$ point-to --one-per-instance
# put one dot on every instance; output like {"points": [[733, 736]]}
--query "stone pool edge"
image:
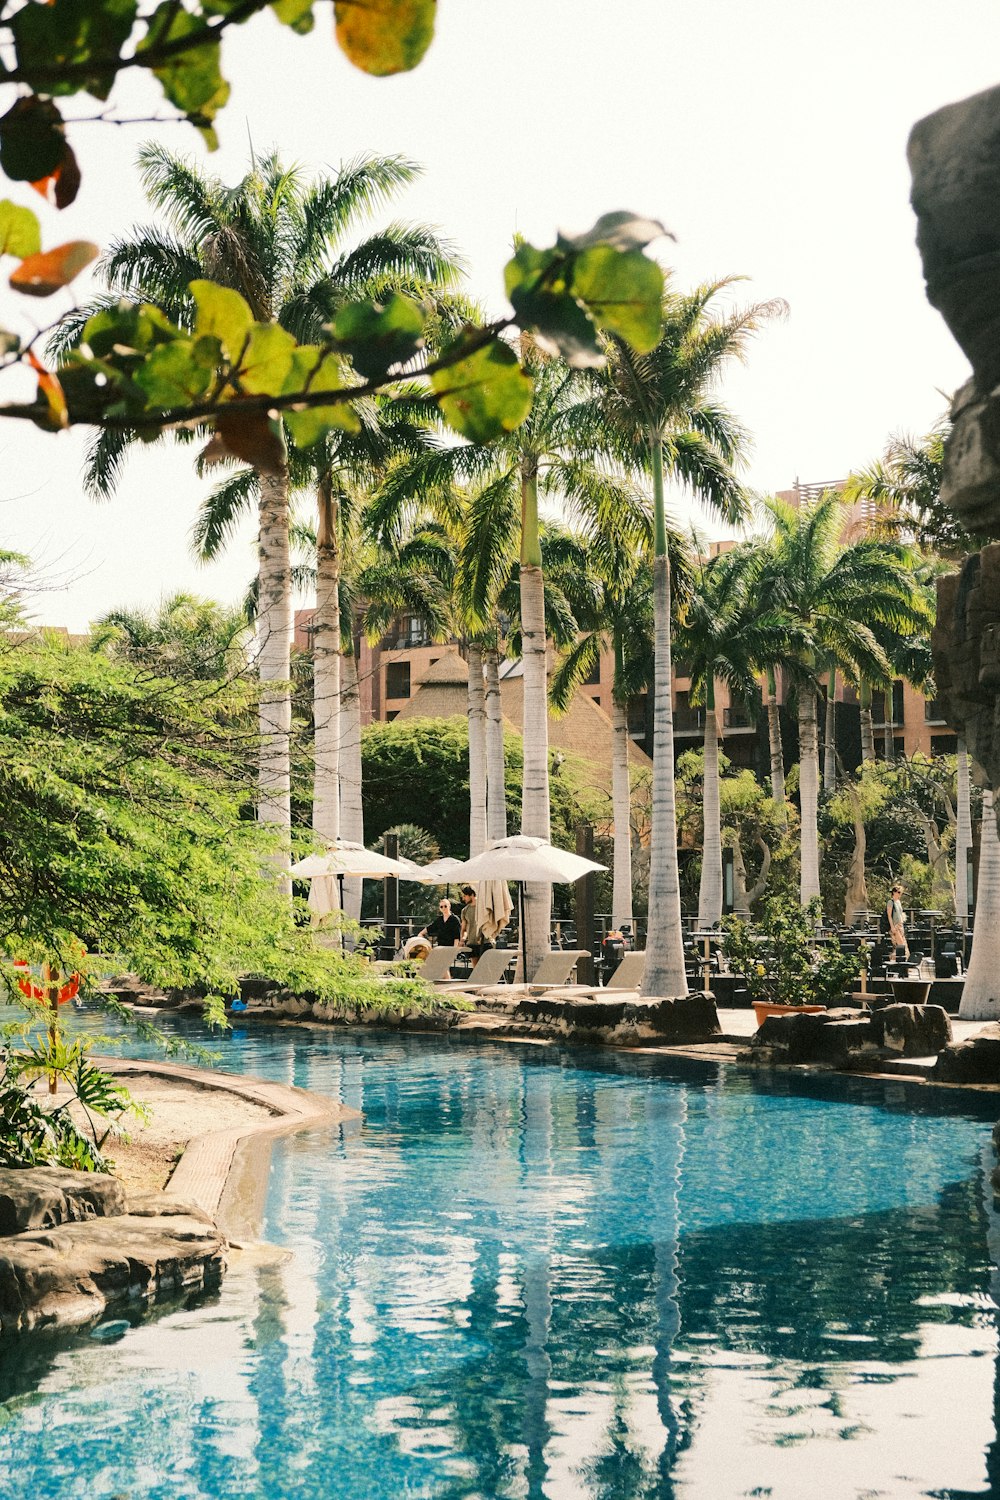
{"points": [[224, 1172]]}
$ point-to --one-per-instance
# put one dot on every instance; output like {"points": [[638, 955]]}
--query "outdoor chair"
{"points": [[489, 971], [552, 974], [437, 964], [627, 976]]}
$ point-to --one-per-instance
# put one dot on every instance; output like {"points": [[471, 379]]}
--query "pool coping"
{"points": [[225, 1171]]}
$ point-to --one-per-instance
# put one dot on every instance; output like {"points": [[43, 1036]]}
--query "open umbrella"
{"points": [[439, 872], [525, 860], [343, 858]]}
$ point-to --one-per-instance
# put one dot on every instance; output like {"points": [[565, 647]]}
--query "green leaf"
{"points": [[70, 33], [32, 142], [222, 314], [311, 369], [623, 292], [385, 36], [619, 231], [128, 328], [379, 334], [536, 282], [265, 366], [19, 231], [294, 13], [485, 394], [190, 79], [175, 374]]}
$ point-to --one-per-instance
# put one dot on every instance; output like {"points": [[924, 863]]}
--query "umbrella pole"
{"points": [[524, 940], [340, 882]]}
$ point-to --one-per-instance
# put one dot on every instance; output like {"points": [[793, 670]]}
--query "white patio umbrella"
{"points": [[439, 871], [343, 858], [525, 860]]}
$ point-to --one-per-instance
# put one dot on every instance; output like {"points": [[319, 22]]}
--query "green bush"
{"points": [[781, 960]]}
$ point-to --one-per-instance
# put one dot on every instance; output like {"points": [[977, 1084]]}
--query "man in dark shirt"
{"points": [[445, 929]]}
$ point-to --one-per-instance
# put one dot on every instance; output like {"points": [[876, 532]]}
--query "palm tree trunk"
{"points": [[352, 817], [830, 735], [664, 974], [477, 751], [963, 835], [777, 760], [887, 746], [535, 785], [496, 770], [274, 635], [326, 669], [981, 995], [808, 795], [856, 898], [710, 888], [621, 814], [867, 727]]}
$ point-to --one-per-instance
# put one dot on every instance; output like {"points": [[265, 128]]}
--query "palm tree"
{"points": [[727, 634], [505, 480], [185, 637], [840, 599], [902, 492], [981, 991], [659, 408], [282, 244]]}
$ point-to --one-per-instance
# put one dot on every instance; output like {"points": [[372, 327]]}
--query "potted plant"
{"points": [[784, 968]]}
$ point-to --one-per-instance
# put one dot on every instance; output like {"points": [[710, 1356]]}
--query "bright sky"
{"points": [[768, 134]]}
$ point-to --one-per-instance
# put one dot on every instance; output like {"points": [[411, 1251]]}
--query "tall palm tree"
{"points": [[840, 598], [981, 991], [553, 453], [727, 633], [666, 423], [185, 637], [285, 245]]}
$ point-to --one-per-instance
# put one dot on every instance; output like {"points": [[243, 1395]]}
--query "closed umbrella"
{"points": [[526, 859]]}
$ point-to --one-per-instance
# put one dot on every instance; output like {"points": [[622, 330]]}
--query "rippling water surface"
{"points": [[577, 1276]]}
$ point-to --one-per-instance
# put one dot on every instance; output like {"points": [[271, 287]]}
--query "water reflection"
{"points": [[575, 1277]]}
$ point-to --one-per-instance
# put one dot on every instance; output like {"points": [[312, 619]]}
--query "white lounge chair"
{"points": [[489, 971], [437, 964], [627, 976], [552, 974]]}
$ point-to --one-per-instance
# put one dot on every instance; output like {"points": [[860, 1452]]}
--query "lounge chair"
{"points": [[489, 971], [552, 974], [627, 976], [437, 964]]}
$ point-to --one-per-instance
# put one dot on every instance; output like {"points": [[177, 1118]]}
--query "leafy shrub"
{"points": [[781, 960]]}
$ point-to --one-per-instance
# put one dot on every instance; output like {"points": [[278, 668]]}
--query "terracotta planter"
{"points": [[764, 1008]]}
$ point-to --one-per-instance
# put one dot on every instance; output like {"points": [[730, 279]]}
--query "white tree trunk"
{"points": [[856, 898], [830, 737], [477, 752], [867, 727], [326, 671], [981, 994], [496, 790], [710, 888], [535, 789], [621, 813], [777, 760], [808, 795], [664, 974], [352, 818], [274, 649], [963, 835]]}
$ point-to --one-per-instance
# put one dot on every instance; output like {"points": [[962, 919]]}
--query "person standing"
{"points": [[472, 933], [446, 929], [897, 923]]}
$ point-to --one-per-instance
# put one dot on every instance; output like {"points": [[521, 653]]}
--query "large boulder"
{"points": [[976, 1060], [912, 1030], [664, 1023], [835, 1038], [43, 1197], [69, 1275]]}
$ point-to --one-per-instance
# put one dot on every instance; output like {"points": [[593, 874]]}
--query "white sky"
{"points": [[768, 134]]}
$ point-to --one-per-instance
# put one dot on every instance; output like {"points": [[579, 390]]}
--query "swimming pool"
{"points": [[562, 1274]]}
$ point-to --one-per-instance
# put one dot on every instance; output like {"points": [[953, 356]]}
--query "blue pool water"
{"points": [[577, 1276]]}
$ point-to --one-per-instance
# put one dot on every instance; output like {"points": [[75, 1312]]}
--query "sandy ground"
{"points": [[178, 1113]]}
